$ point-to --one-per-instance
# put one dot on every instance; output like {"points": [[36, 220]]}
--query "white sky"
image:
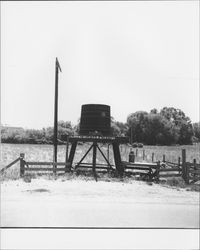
{"points": [[129, 55]]}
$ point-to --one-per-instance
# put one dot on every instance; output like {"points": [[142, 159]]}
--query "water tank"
{"points": [[95, 118]]}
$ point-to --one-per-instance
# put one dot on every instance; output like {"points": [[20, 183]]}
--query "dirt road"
{"points": [[47, 203]]}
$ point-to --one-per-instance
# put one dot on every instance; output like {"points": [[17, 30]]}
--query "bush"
{"points": [[36, 136]]}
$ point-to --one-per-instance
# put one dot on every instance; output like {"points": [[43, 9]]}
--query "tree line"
{"points": [[165, 127], [37, 136]]}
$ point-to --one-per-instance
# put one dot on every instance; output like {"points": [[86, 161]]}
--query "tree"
{"points": [[181, 124], [169, 126], [153, 129], [136, 123], [64, 129], [196, 129], [118, 128], [64, 124], [154, 111]]}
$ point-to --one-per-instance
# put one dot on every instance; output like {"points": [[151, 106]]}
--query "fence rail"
{"points": [[9, 165], [170, 169], [189, 171], [170, 175], [44, 163], [44, 169], [172, 163]]}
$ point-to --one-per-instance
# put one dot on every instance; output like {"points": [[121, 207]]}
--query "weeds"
{"points": [[179, 183]]}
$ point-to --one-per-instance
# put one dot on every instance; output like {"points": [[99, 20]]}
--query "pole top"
{"points": [[58, 65]]}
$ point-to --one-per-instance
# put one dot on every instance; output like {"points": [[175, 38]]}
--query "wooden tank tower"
{"points": [[95, 127]]}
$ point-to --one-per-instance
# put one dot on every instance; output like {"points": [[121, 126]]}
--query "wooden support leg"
{"points": [[108, 153], [72, 153], [117, 158], [94, 160]]}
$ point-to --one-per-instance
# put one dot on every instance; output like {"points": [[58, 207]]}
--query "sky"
{"points": [[131, 55]]}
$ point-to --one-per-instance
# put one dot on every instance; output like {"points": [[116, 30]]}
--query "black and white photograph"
{"points": [[100, 123]]}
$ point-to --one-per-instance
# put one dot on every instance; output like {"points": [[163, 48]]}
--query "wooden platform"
{"points": [[103, 139]]}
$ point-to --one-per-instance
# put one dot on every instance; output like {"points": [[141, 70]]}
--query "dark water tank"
{"points": [[95, 118]]}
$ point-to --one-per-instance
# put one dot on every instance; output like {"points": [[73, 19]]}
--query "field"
{"points": [[9, 152]]}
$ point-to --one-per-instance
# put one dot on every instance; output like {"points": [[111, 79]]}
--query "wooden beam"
{"points": [[47, 163], [137, 168], [169, 175], [44, 169], [170, 169], [91, 166], [103, 139], [9, 165], [72, 152], [94, 160]]}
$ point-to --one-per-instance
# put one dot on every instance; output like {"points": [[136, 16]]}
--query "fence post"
{"points": [[152, 157], [187, 168], [179, 161], [131, 157], [136, 152], [184, 164], [163, 158], [143, 154], [195, 168], [22, 155], [157, 171]]}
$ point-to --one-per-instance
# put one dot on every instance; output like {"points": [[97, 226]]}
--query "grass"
{"points": [[10, 152], [178, 182]]}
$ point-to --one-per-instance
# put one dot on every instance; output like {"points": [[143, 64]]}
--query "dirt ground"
{"points": [[81, 203]]}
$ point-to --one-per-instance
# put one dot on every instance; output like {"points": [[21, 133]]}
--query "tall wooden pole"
{"points": [[55, 141]]}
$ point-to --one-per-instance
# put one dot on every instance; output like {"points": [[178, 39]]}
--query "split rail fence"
{"points": [[189, 171]]}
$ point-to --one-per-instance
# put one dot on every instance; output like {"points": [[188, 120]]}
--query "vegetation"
{"points": [[196, 129], [170, 126], [33, 136], [167, 127]]}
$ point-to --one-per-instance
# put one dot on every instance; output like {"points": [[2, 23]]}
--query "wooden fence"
{"points": [[25, 166], [189, 171], [142, 155]]}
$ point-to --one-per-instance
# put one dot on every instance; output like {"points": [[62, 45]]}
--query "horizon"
{"points": [[131, 56], [73, 124]]}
